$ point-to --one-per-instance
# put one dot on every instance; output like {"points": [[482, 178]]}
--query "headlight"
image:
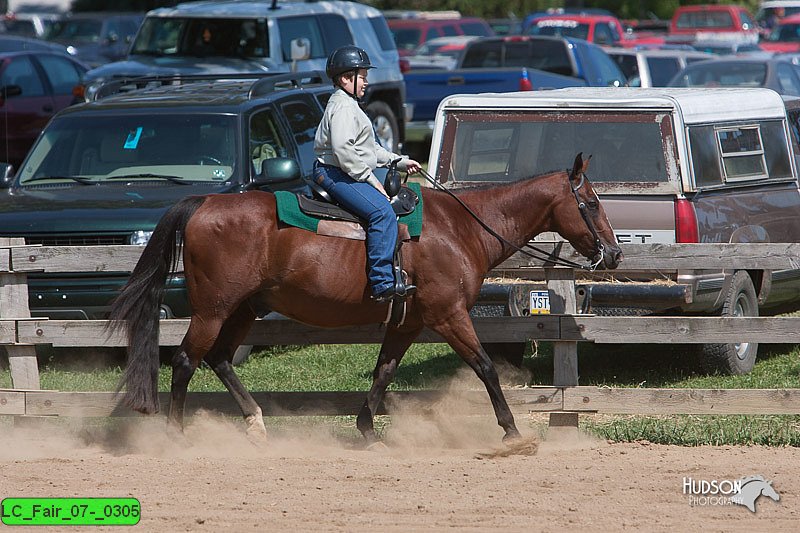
{"points": [[139, 238]]}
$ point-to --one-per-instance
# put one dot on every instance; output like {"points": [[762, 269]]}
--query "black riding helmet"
{"points": [[348, 58]]}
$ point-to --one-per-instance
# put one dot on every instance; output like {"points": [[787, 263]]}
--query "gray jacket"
{"points": [[345, 139]]}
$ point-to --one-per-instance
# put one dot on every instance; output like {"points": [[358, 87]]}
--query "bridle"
{"points": [[543, 255], [586, 218]]}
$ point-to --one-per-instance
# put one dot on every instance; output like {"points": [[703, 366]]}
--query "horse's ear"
{"points": [[580, 166]]}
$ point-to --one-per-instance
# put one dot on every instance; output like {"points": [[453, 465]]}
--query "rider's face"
{"points": [[355, 84]]}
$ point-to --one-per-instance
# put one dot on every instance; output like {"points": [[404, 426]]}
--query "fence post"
{"points": [[14, 305], [561, 286]]}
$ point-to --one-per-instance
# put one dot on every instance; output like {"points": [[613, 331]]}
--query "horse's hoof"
{"points": [[377, 447], [256, 430], [512, 437]]}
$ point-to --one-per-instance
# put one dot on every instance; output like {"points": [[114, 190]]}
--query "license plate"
{"points": [[540, 303]]}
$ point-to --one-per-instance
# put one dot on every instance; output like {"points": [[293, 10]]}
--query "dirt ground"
{"points": [[313, 477]]}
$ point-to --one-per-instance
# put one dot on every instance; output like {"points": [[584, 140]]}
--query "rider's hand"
{"points": [[412, 167]]}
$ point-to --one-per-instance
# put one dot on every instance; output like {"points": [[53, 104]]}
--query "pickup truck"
{"points": [[497, 65], [672, 165]]}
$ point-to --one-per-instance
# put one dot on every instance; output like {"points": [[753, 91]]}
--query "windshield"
{"points": [[195, 37], [155, 146], [710, 74], [560, 28], [76, 30], [494, 147]]}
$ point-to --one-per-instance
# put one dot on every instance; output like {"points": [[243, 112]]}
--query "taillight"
{"points": [[405, 66], [685, 222]]}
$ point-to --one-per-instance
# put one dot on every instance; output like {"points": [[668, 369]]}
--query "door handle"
{"points": [[455, 80]]}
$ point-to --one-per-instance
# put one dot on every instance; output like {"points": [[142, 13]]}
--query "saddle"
{"points": [[403, 201]]}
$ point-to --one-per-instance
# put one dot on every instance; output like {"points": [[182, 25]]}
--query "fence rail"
{"points": [[19, 333]]}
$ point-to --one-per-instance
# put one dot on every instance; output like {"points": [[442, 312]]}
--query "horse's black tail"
{"points": [[137, 306]]}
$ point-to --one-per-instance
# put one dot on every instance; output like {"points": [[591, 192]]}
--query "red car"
{"points": [[728, 20], [784, 37], [598, 29], [34, 86], [409, 33]]}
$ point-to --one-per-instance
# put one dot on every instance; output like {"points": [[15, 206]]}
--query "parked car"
{"points": [[784, 37], [439, 53], [727, 47], [653, 68], [249, 37], [95, 38], [671, 165], [770, 12], [778, 74], [505, 26], [33, 25], [409, 33], [599, 29], [34, 86], [500, 64], [105, 172], [727, 21], [17, 43]]}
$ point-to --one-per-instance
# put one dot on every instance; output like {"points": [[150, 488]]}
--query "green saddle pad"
{"points": [[289, 212]]}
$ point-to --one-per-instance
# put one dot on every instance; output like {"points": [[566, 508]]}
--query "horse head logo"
{"points": [[752, 488]]}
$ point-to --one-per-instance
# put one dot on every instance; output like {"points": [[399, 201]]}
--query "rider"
{"points": [[347, 154]]}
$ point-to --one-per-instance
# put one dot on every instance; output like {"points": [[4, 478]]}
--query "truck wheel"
{"points": [[385, 124], [735, 358]]}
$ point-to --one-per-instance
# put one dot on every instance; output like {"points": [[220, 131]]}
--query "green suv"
{"points": [[104, 172]]}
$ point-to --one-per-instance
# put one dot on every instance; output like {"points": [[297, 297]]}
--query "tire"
{"points": [[735, 358], [385, 124]]}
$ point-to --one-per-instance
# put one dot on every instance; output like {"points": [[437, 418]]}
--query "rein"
{"points": [[544, 255]]}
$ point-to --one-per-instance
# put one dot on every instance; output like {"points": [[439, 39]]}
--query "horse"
{"points": [[240, 262]]}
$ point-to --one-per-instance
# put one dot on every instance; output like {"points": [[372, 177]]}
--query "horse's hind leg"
{"points": [[394, 347], [459, 333], [233, 332], [182, 372]]}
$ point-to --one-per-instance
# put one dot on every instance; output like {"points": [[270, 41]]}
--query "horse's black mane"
{"points": [[462, 187]]}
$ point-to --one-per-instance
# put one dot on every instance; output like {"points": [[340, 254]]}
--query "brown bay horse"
{"points": [[240, 263]]}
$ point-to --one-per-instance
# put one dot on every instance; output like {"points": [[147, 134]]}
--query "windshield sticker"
{"points": [[133, 139]]}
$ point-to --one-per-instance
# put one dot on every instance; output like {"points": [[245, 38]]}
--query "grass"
{"points": [[349, 367]]}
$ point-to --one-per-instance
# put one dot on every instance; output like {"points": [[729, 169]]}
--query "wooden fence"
{"points": [[19, 333]]}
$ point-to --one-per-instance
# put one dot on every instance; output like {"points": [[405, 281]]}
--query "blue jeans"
{"points": [[368, 204]]}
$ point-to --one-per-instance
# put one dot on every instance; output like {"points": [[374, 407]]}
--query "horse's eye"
{"points": [[593, 205]]}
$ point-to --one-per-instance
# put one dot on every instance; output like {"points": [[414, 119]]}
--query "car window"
{"points": [[747, 22], [335, 32], [297, 27], [303, 119], [509, 147], [265, 138], [76, 30], [61, 73], [408, 38], [629, 66], [193, 147], [607, 71], [560, 28], [602, 34], [662, 69], [723, 74], [787, 77], [202, 37], [381, 29], [20, 71], [448, 30], [704, 20], [474, 28]]}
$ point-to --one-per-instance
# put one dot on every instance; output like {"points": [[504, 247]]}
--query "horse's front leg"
{"points": [[459, 333], [394, 347]]}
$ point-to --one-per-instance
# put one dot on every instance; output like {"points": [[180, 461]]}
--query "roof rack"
{"points": [[264, 82]]}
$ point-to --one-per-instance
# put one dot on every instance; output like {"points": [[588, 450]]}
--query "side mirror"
{"points": [[300, 49], [6, 175], [277, 170]]}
